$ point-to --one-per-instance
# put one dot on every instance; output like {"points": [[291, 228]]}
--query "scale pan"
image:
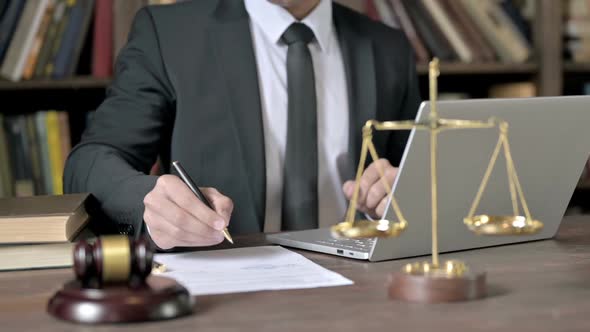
{"points": [[369, 229], [502, 225]]}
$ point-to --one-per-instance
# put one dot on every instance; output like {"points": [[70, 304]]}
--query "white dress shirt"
{"points": [[268, 22]]}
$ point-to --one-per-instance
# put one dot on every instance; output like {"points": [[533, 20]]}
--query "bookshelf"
{"points": [[448, 68], [547, 68], [458, 68], [73, 83], [576, 68]]}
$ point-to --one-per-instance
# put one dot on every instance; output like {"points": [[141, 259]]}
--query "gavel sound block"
{"points": [[113, 285]]}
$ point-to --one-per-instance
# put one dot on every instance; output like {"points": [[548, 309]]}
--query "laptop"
{"points": [[550, 143]]}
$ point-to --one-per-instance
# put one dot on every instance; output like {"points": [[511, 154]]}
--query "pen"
{"points": [[193, 187]]}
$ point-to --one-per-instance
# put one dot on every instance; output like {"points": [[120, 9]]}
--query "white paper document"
{"points": [[246, 270]]}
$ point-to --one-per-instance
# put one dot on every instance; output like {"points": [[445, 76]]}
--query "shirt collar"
{"points": [[273, 20]]}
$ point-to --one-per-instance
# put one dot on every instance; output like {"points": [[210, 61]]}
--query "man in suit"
{"points": [[262, 101]]}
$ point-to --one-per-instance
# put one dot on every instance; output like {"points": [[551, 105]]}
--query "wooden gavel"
{"points": [[113, 259], [113, 285]]}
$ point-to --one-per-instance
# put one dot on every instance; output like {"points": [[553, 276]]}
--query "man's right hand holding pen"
{"points": [[175, 217]]}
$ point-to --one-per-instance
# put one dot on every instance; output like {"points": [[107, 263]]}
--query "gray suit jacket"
{"points": [[186, 88]]}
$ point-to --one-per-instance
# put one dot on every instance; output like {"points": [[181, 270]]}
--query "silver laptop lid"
{"points": [[549, 140]]}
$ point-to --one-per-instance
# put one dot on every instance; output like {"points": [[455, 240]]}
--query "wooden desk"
{"points": [[538, 286]]}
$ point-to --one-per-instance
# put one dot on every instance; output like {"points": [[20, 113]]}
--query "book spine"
{"points": [[73, 57], [408, 27], [34, 154], [22, 41], [3, 6], [5, 168], [46, 175], [499, 30], [19, 156], [446, 26], [432, 36], [8, 25], [57, 43], [55, 154], [102, 57], [68, 40], [49, 39], [476, 38], [33, 56], [517, 18], [64, 136]]}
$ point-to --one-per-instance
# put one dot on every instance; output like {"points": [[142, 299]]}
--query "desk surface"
{"points": [[538, 286]]}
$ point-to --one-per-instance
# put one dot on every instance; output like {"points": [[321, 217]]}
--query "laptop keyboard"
{"points": [[362, 245]]}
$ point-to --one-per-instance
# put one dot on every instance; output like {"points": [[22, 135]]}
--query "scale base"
{"points": [[452, 281], [159, 299]]}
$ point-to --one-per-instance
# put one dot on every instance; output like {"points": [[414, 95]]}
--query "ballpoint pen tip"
{"points": [[228, 236]]}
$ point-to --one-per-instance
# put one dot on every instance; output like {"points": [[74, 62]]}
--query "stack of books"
{"points": [[37, 232]]}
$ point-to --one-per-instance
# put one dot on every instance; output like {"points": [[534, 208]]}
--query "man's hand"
{"points": [[372, 195], [176, 217]]}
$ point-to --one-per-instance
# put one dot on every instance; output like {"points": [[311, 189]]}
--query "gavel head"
{"points": [[114, 259]]}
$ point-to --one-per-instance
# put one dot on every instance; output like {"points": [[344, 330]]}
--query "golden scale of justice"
{"points": [[450, 280]]}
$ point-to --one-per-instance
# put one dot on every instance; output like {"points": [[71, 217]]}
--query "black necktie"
{"points": [[300, 194]]}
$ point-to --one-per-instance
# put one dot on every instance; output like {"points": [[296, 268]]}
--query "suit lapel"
{"points": [[357, 54], [230, 35]]}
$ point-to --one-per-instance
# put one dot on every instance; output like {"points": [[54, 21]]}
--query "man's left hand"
{"points": [[372, 194]]}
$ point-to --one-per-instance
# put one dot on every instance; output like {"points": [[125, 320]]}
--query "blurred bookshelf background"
{"points": [[56, 59]]}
